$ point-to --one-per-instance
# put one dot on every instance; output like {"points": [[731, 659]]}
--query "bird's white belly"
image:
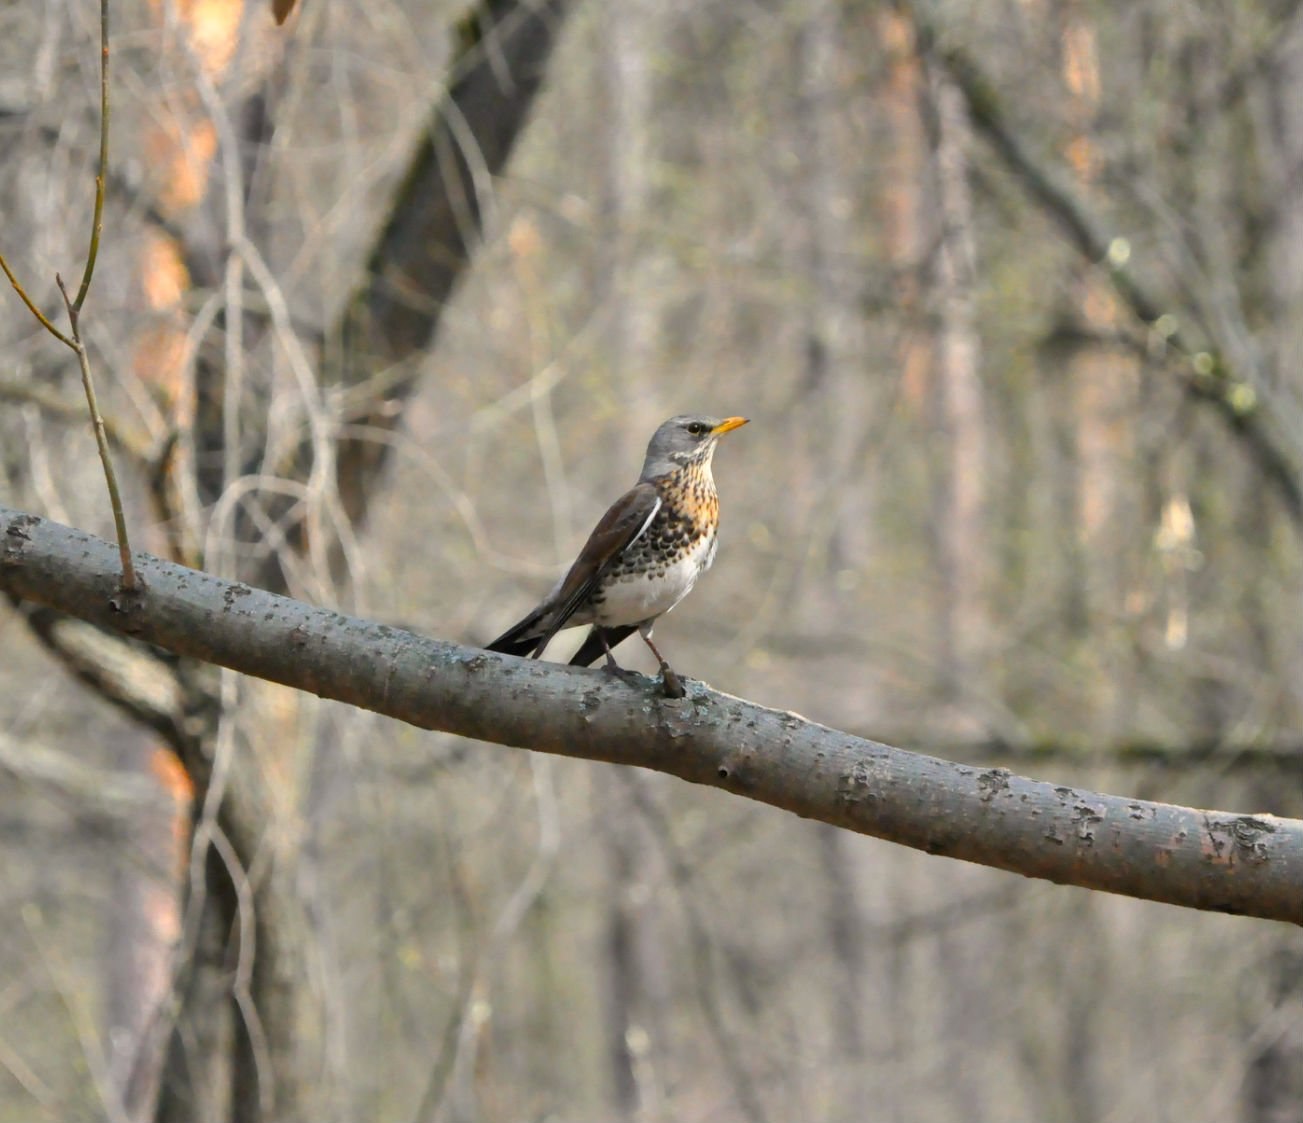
{"points": [[631, 597]]}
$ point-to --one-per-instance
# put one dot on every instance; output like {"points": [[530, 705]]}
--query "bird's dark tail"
{"points": [[593, 647], [525, 638]]}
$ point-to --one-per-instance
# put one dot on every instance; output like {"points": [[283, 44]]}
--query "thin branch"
{"points": [[136, 680], [74, 340], [242, 980], [101, 441], [1213, 860], [41, 317], [101, 174]]}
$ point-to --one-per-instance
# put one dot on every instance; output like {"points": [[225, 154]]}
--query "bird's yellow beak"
{"points": [[727, 424]]}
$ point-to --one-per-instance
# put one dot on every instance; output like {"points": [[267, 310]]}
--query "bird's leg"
{"points": [[611, 664], [670, 682], [612, 667]]}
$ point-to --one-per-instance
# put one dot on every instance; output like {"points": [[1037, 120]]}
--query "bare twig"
{"points": [[101, 173], [242, 982], [31, 305], [101, 438], [73, 340]]}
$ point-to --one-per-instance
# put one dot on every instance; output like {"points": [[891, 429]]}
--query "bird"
{"points": [[644, 555]]}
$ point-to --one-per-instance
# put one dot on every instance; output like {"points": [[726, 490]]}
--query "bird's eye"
{"points": [[696, 428]]}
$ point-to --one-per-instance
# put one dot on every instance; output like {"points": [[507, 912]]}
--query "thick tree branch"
{"points": [[1201, 859], [131, 678]]}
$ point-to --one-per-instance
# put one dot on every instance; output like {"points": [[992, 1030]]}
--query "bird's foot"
{"points": [[611, 667], [671, 683]]}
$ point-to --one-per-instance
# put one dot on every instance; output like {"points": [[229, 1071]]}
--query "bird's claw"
{"points": [[671, 684]]}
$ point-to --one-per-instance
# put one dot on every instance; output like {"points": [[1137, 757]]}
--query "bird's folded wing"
{"points": [[621, 526]]}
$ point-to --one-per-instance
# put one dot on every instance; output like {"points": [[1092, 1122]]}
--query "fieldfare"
{"points": [[644, 555]]}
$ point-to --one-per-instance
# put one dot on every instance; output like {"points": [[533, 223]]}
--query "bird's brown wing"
{"points": [[621, 526]]}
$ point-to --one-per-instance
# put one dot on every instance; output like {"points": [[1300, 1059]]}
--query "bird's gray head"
{"points": [[687, 439]]}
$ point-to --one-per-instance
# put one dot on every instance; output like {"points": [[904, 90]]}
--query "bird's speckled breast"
{"points": [[660, 568]]}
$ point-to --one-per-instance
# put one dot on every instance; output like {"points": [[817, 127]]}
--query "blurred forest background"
{"points": [[1013, 295]]}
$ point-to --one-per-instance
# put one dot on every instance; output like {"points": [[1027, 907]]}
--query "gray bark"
{"points": [[1212, 860]]}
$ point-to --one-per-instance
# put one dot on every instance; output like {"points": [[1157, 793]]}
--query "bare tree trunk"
{"points": [[144, 927], [190, 1077], [1103, 381], [629, 47], [623, 976], [1273, 1084], [903, 199], [838, 395], [1285, 251], [960, 524], [436, 221], [629, 44], [197, 1084], [846, 939]]}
